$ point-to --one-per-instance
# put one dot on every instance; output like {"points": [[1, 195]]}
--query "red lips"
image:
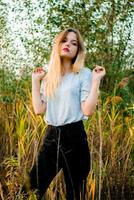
{"points": [[66, 49]]}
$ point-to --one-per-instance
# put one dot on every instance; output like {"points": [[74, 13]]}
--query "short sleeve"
{"points": [[86, 79], [42, 92]]}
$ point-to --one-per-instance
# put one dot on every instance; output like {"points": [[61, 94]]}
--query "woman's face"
{"points": [[69, 46]]}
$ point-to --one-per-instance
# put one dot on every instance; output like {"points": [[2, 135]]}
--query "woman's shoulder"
{"points": [[85, 71]]}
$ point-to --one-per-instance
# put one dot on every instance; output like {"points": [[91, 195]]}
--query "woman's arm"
{"points": [[38, 105], [89, 105]]}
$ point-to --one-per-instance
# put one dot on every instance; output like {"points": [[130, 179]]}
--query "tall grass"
{"points": [[112, 144], [111, 141]]}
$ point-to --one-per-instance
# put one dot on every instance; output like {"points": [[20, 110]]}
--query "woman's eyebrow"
{"points": [[74, 40], [71, 40]]}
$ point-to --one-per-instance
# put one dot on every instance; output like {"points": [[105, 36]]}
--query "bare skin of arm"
{"points": [[88, 107], [38, 105]]}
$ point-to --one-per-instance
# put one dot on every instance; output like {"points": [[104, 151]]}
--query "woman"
{"points": [[69, 95]]}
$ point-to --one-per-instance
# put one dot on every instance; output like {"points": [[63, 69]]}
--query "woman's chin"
{"points": [[66, 56]]}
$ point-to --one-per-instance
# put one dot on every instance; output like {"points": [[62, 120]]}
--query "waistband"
{"points": [[71, 125]]}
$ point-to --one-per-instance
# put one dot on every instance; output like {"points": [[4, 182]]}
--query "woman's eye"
{"points": [[75, 44], [63, 40]]}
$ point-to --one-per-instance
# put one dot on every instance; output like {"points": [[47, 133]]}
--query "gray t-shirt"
{"points": [[65, 106]]}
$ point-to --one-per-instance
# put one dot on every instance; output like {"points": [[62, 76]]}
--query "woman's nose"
{"points": [[67, 43]]}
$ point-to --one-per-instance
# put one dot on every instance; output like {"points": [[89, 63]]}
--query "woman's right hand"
{"points": [[38, 74]]}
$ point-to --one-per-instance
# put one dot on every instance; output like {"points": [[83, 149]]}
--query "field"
{"points": [[110, 132]]}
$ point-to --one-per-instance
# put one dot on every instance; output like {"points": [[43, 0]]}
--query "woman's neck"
{"points": [[67, 66]]}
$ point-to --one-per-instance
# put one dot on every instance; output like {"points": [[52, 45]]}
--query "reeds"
{"points": [[111, 141]]}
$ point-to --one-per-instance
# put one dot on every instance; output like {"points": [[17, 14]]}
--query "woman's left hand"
{"points": [[98, 73]]}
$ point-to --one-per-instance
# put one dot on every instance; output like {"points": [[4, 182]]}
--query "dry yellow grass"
{"points": [[111, 142]]}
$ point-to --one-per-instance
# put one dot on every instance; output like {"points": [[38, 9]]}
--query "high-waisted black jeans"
{"points": [[64, 147]]}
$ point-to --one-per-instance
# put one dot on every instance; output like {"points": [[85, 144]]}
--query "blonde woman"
{"points": [[68, 96]]}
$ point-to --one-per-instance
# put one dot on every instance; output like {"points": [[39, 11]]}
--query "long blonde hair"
{"points": [[55, 69]]}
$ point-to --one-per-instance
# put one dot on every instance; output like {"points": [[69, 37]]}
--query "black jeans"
{"points": [[64, 147]]}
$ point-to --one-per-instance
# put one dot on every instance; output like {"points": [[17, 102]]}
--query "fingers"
{"points": [[38, 74], [99, 69], [38, 70]]}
